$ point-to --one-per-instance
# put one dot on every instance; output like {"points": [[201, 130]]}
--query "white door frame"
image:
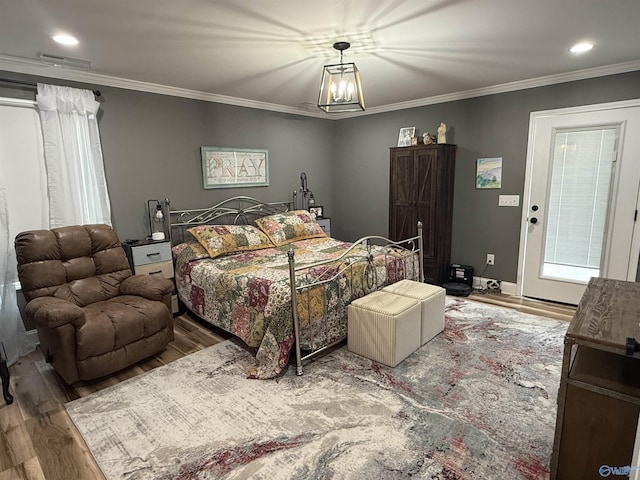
{"points": [[526, 200]]}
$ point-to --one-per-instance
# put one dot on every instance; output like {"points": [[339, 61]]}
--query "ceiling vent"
{"points": [[64, 62]]}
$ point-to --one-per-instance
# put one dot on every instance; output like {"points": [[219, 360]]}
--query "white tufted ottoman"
{"points": [[384, 327], [431, 298]]}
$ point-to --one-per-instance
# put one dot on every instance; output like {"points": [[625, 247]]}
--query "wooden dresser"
{"points": [[421, 189], [599, 394]]}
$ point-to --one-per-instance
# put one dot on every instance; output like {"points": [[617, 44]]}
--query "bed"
{"points": [[266, 273]]}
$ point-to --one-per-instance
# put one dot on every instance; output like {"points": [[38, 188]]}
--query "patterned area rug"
{"points": [[478, 401]]}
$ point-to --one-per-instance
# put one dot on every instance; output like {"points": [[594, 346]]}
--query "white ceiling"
{"points": [[270, 53]]}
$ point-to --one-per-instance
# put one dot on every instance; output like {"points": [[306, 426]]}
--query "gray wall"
{"points": [[489, 126], [151, 150], [151, 146]]}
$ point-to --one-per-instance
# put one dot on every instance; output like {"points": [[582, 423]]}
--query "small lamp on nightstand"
{"points": [[156, 220]]}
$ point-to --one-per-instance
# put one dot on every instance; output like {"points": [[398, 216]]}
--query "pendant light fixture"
{"points": [[340, 89]]}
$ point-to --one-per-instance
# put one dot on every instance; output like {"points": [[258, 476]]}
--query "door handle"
{"points": [[533, 220]]}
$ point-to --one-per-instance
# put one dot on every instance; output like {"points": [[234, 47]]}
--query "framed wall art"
{"points": [[489, 172], [234, 167], [404, 138]]}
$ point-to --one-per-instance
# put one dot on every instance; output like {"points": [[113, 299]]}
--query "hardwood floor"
{"points": [[38, 440]]}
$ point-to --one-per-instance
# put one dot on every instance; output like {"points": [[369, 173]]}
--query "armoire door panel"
{"points": [[421, 189], [427, 184], [431, 271], [403, 179], [426, 204], [429, 230], [405, 222]]}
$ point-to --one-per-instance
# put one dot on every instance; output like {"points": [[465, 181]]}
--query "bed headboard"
{"points": [[233, 211]]}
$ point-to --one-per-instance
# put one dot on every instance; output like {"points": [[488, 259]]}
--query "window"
{"points": [[578, 202]]}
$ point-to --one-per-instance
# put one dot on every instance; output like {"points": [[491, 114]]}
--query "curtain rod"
{"points": [[33, 85]]}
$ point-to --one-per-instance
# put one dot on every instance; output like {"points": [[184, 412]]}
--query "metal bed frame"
{"points": [[244, 210]]}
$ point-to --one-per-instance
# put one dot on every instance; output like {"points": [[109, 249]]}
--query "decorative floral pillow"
{"points": [[192, 250], [283, 228], [224, 239]]}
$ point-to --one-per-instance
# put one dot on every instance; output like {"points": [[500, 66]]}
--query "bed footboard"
{"points": [[354, 257]]}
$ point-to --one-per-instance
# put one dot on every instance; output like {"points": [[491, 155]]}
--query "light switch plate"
{"points": [[509, 201]]}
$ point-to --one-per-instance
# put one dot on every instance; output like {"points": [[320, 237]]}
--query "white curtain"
{"points": [[23, 206], [12, 332], [76, 188], [73, 155]]}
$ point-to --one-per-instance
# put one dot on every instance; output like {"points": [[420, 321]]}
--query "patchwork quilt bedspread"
{"points": [[248, 294]]}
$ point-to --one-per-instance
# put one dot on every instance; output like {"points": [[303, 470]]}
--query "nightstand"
{"points": [[148, 257], [325, 224]]}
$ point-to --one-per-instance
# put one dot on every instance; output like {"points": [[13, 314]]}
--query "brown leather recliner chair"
{"points": [[92, 315]]}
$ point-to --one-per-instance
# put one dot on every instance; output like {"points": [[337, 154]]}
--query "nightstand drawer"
{"points": [[325, 225], [160, 268], [152, 253]]}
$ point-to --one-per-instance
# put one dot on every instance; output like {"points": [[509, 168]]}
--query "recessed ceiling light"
{"points": [[581, 47], [66, 39]]}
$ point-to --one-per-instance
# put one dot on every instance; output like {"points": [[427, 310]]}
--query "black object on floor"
{"points": [[458, 289], [4, 375]]}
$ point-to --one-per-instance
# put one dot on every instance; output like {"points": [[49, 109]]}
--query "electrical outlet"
{"points": [[490, 259]]}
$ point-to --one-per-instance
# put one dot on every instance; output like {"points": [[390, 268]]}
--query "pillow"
{"points": [[224, 239], [192, 250], [283, 228]]}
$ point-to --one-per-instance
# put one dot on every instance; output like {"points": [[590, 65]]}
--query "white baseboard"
{"points": [[506, 287]]}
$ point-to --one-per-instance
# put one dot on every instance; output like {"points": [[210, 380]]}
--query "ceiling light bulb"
{"points": [[581, 47], [350, 90], [66, 39]]}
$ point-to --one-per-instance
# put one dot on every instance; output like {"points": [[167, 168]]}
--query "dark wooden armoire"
{"points": [[421, 189]]}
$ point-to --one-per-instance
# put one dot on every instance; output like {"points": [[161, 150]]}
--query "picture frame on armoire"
{"points": [[405, 135]]}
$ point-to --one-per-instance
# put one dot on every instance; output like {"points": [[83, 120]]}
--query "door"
{"points": [[402, 195], [580, 202]]}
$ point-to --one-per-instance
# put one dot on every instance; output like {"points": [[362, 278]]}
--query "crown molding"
{"points": [[34, 67], [510, 87]]}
